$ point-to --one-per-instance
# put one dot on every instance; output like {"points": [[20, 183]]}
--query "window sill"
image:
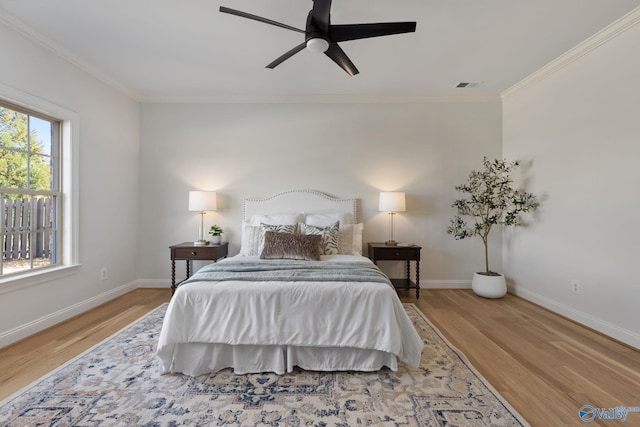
{"points": [[32, 278]]}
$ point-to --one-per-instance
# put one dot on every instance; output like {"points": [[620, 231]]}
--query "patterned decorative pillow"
{"points": [[291, 246], [350, 239], [276, 229], [330, 235]]}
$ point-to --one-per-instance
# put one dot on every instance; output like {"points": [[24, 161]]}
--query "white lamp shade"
{"points": [[392, 201], [201, 201]]}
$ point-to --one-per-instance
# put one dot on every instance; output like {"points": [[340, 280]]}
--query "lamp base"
{"points": [[201, 243], [391, 243]]}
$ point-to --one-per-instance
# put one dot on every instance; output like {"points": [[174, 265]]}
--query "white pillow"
{"points": [[330, 236], [250, 239], [350, 239], [276, 219], [328, 219]]}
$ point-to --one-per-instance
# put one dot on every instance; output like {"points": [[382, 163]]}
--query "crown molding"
{"points": [[34, 36], [58, 50], [321, 99], [592, 43]]}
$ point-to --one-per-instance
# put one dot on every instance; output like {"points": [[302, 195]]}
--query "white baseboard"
{"points": [[44, 322], [23, 331], [604, 327]]}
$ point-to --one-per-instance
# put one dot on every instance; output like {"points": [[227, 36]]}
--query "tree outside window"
{"points": [[29, 188]]}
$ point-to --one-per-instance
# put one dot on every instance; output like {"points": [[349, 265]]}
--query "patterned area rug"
{"points": [[116, 383]]}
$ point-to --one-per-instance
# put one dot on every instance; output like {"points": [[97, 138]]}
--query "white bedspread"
{"points": [[356, 315]]}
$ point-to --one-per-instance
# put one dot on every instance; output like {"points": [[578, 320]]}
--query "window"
{"points": [[30, 190], [57, 229]]}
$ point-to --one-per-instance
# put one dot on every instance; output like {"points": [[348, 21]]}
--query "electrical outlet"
{"points": [[103, 273], [575, 286]]}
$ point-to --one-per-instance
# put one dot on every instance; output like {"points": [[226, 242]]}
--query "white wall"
{"points": [[344, 149], [133, 186], [576, 126], [108, 197], [579, 128]]}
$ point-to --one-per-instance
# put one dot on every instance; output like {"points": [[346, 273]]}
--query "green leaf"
{"points": [[490, 200]]}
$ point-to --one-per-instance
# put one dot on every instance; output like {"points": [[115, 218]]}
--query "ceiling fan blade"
{"points": [[258, 18], [342, 33], [287, 55], [339, 57], [320, 14]]}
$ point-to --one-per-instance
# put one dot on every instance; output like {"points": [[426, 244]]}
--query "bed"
{"points": [[300, 293]]}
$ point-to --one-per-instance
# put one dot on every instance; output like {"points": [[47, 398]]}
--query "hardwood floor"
{"points": [[27, 360], [546, 366]]}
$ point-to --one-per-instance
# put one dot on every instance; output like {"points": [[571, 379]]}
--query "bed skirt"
{"points": [[199, 358]]}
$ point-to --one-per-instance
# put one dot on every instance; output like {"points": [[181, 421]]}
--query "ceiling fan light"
{"points": [[317, 45]]}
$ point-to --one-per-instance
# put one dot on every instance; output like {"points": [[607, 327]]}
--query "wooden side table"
{"points": [[189, 252], [382, 252]]}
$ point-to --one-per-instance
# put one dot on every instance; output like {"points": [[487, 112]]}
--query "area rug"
{"points": [[117, 383]]}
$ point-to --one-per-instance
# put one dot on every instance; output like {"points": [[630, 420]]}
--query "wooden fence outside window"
{"points": [[16, 228]]}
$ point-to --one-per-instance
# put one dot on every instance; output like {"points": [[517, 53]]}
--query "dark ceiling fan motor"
{"points": [[322, 37]]}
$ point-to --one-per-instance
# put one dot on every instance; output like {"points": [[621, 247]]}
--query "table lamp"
{"points": [[392, 202], [202, 201]]}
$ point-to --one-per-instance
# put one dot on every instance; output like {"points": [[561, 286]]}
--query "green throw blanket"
{"points": [[289, 271]]}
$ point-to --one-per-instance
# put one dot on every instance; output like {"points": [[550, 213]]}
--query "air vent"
{"points": [[468, 84]]}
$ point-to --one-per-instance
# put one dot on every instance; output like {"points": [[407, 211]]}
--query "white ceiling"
{"points": [[163, 49]]}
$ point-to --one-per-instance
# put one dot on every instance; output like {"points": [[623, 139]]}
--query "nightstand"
{"points": [[382, 252], [189, 252]]}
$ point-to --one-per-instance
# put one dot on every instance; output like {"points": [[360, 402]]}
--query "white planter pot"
{"points": [[215, 240], [489, 286]]}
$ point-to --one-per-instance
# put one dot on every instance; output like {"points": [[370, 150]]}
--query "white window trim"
{"points": [[69, 173]]}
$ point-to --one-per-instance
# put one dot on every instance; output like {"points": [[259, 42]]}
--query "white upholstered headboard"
{"points": [[303, 201]]}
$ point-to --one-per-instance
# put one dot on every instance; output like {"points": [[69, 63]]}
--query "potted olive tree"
{"points": [[490, 200], [216, 234]]}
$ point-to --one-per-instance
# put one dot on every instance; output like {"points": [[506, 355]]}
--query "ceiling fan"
{"points": [[322, 37]]}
